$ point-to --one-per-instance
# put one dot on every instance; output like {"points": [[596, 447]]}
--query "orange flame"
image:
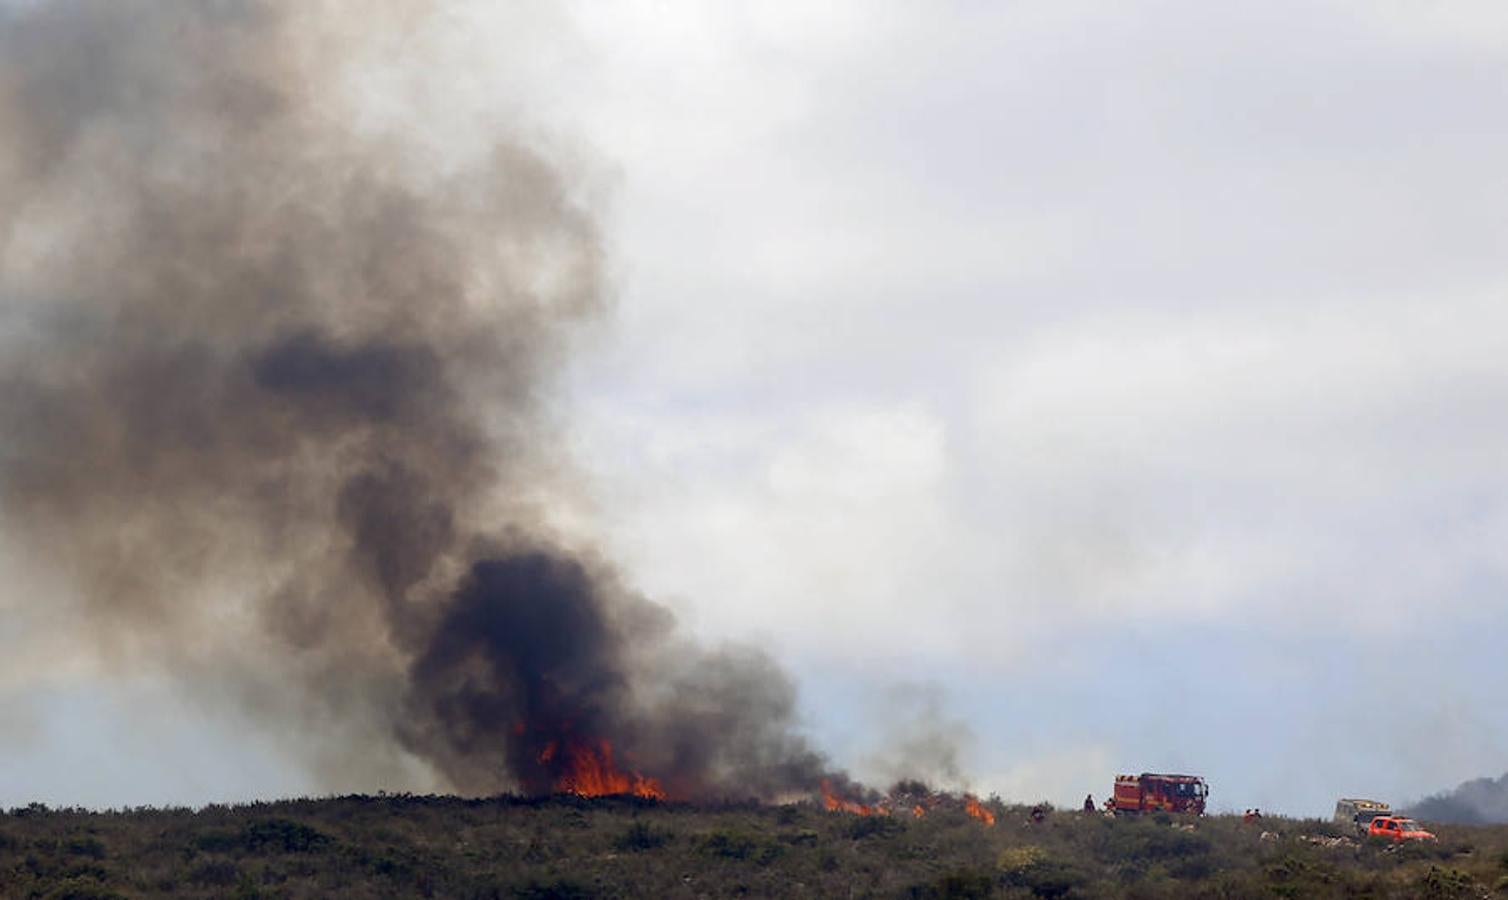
{"points": [[919, 811], [590, 773], [834, 803], [973, 807]]}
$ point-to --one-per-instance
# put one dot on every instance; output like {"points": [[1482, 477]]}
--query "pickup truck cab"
{"points": [[1397, 828]]}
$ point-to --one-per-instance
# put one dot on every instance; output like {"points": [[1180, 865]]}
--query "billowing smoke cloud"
{"points": [[274, 393], [1481, 801]]}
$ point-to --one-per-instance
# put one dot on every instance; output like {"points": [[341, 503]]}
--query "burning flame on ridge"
{"points": [[589, 772], [920, 806], [973, 807], [834, 803]]}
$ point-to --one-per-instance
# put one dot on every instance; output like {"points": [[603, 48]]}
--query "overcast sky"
{"points": [[1122, 381], [1133, 373]]}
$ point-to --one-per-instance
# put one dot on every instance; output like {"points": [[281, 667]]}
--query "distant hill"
{"points": [[1481, 801], [570, 848]]}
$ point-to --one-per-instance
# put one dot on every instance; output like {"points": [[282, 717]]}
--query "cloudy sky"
{"points": [[1116, 386]]}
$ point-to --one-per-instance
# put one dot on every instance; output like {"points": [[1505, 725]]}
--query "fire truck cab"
{"points": [[1150, 792]]}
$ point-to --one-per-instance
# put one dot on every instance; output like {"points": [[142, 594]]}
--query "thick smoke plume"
{"points": [[274, 391]]}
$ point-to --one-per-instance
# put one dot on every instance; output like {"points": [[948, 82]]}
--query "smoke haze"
{"points": [[277, 402], [919, 740], [1481, 801]]}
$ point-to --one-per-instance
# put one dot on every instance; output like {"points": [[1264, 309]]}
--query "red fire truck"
{"points": [[1149, 792]]}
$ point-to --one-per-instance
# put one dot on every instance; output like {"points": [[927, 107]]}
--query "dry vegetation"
{"points": [[565, 847]]}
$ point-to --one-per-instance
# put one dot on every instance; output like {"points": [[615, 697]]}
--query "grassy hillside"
{"points": [[389, 846]]}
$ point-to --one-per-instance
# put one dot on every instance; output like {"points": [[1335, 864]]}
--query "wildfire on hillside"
{"points": [[589, 772], [914, 797], [835, 803], [973, 807]]}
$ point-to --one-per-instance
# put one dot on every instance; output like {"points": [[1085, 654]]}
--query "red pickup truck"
{"points": [[1397, 828]]}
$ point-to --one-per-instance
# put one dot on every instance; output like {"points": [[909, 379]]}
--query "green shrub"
{"points": [[1423, 850], [790, 814], [265, 836], [85, 845], [1031, 868], [1443, 884], [1146, 840], [390, 866], [215, 873], [559, 889], [246, 888], [1292, 876], [873, 826], [30, 809], [640, 836], [1055, 878], [87, 870], [960, 884], [1019, 859], [729, 844], [284, 836], [82, 889], [218, 842], [1193, 868]]}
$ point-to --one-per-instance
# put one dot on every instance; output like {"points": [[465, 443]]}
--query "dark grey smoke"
{"points": [[1481, 801], [274, 393]]}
